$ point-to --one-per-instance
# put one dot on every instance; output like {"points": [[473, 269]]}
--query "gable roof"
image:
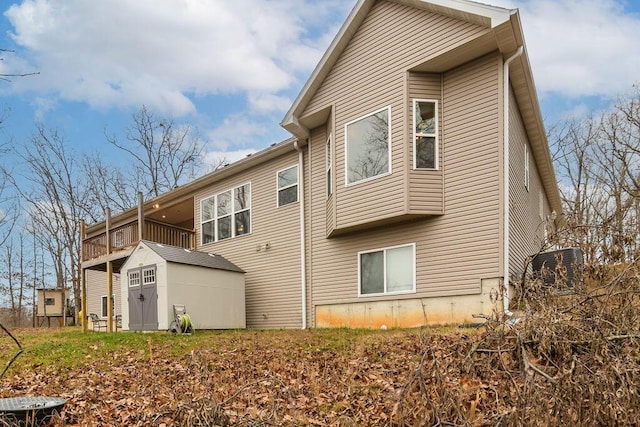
{"points": [[504, 33], [188, 257]]}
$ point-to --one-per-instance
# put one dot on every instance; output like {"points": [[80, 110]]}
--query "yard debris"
{"points": [[572, 358]]}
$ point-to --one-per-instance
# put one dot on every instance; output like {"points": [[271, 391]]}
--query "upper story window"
{"points": [[288, 186], [425, 139], [387, 271], [328, 155], [368, 146], [226, 215]]}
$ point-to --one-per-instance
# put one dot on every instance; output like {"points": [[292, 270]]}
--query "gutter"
{"points": [[303, 257], [505, 172]]}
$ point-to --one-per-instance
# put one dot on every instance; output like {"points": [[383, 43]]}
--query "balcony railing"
{"points": [[126, 236]]}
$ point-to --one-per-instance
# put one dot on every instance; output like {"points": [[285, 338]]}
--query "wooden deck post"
{"points": [[109, 296], [140, 216], [83, 280], [109, 274]]}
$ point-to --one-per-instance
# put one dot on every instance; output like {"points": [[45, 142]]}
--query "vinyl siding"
{"points": [[370, 75], [97, 288], [453, 251], [426, 187], [526, 226], [273, 294]]}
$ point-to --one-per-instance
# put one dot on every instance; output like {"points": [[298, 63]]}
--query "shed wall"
{"points": [[213, 298]]}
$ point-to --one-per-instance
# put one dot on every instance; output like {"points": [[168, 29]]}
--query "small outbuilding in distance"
{"points": [[156, 277]]}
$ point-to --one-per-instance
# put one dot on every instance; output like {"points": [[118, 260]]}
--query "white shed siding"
{"points": [[213, 298], [143, 257]]}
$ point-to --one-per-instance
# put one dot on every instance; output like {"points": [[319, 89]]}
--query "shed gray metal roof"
{"points": [[186, 256]]}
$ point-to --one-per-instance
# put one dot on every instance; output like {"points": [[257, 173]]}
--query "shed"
{"points": [[156, 276], [51, 305]]}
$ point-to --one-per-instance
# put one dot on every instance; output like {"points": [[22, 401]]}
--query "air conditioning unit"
{"points": [[570, 260]]}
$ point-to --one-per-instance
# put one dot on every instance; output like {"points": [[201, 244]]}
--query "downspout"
{"points": [[303, 257], [505, 148]]}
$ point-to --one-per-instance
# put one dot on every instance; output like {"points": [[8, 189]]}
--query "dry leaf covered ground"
{"points": [[572, 358]]}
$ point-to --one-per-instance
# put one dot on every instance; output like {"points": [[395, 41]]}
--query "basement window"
{"points": [[387, 271]]}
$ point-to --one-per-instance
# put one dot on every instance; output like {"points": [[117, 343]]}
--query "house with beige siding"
{"points": [[415, 183]]}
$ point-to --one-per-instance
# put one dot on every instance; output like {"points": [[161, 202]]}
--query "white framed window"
{"points": [[148, 275], [287, 181], [368, 147], [425, 134], [328, 163], [526, 166], [49, 301], [104, 305], [134, 278], [389, 270], [226, 214]]}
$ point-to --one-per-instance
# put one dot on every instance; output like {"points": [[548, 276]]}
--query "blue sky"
{"points": [[232, 68]]}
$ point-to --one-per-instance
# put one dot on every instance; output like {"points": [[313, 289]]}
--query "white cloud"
{"points": [[127, 53], [268, 103], [215, 159], [236, 130], [580, 47]]}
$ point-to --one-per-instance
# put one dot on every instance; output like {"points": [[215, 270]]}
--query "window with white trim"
{"points": [[368, 146], [104, 305], [288, 186], [226, 214], [425, 131], [387, 271], [134, 278], [148, 275], [329, 168], [526, 166]]}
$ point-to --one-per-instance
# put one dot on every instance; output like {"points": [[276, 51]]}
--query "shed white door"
{"points": [[143, 299]]}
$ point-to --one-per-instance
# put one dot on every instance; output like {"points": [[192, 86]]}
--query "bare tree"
{"points": [[164, 153], [598, 163], [57, 200], [6, 76]]}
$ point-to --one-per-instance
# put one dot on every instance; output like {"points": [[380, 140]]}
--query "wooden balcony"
{"points": [[126, 236]]}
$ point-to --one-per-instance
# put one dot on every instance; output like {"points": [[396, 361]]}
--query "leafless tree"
{"points": [[7, 76], [598, 161], [57, 199], [164, 153]]}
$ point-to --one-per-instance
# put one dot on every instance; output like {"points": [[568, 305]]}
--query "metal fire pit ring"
{"points": [[34, 410]]}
